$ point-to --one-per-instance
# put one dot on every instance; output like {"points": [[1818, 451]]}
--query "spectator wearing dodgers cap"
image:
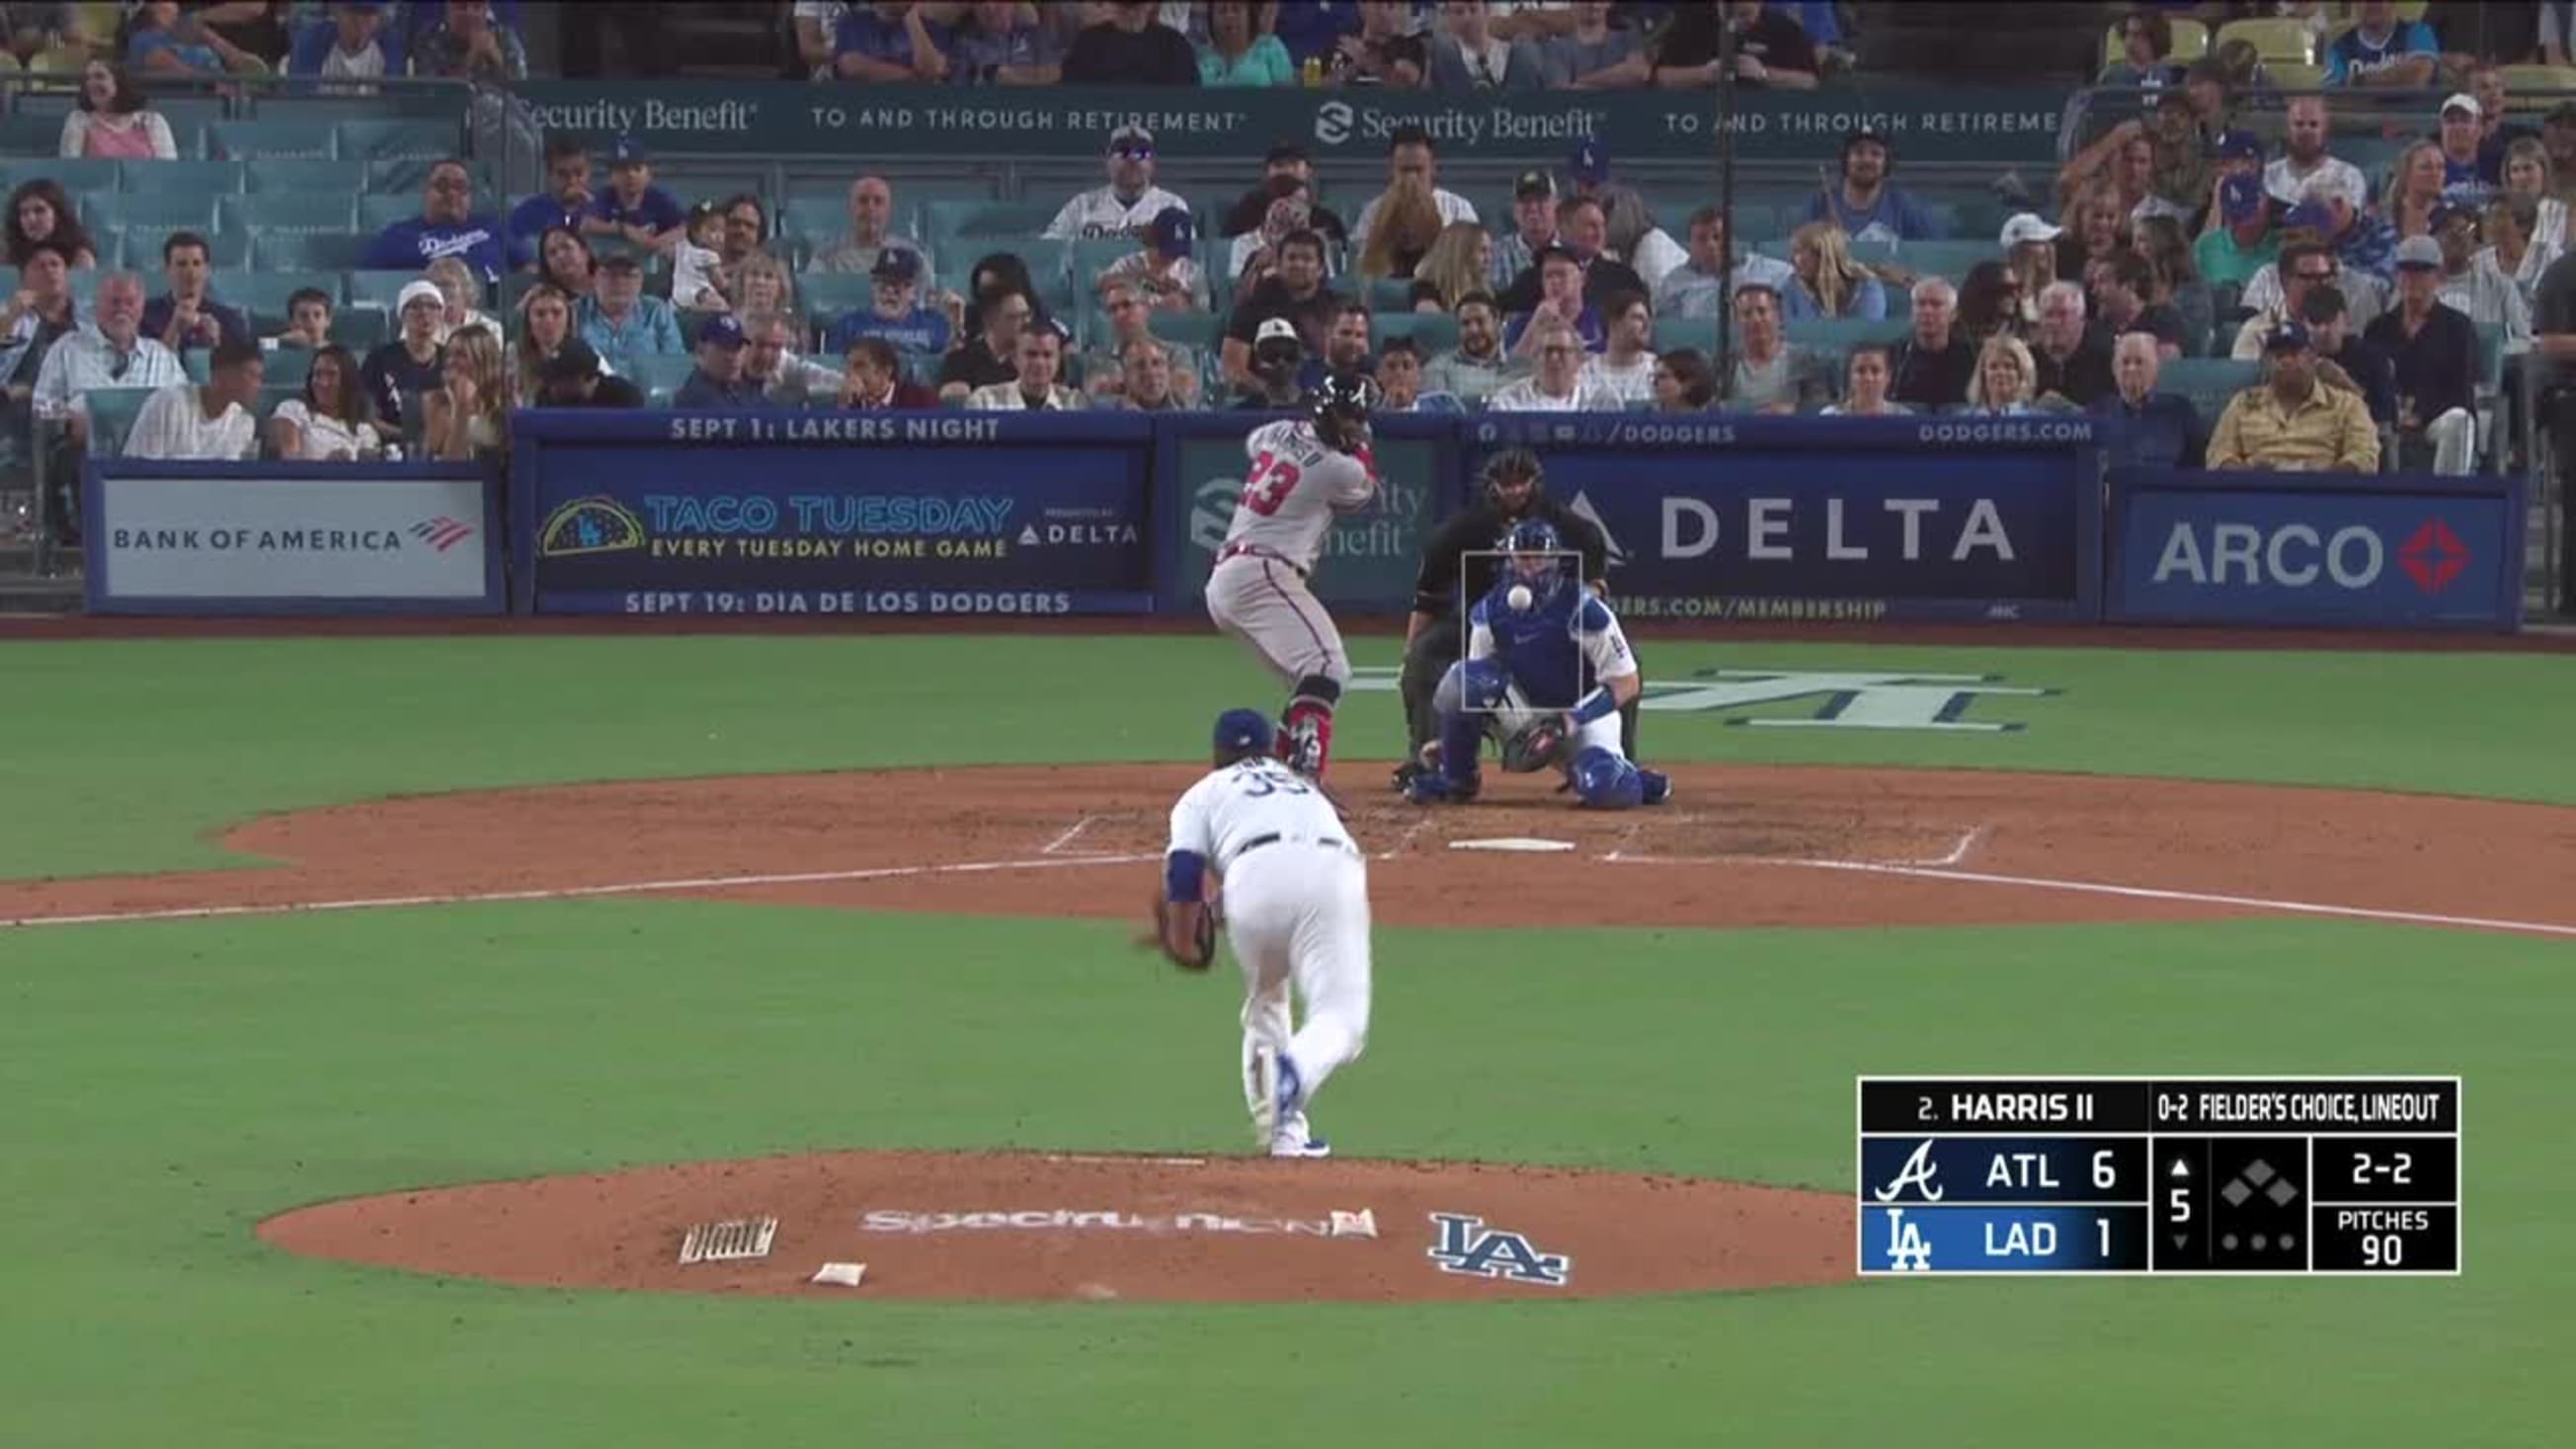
{"points": [[2293, 421], [894, 312], [1634, 238], [1865, 204], [1164, 270], [1131, 200], [2240, 240], [718, 383], [630, 205], [2464, 182]]}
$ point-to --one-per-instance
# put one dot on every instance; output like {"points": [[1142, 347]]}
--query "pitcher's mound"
{"points": [[1097, 1228]]}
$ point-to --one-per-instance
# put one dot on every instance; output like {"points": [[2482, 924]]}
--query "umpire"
{"points": [[1434, 637]]}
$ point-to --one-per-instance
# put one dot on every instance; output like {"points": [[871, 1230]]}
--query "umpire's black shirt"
{"points": [[1482, 527]]}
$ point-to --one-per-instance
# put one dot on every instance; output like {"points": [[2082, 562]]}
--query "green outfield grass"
{"points": [[169, 1084]]}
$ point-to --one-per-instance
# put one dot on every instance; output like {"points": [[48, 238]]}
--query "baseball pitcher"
{"points": [[1296, 913], [1546, 673], [1305, 472]]}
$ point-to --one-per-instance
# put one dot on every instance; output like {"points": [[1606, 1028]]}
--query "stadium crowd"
{"points": [[2236, 300]]}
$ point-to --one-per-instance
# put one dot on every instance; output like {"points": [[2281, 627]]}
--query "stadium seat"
{"points": [[265, 139], [201, 178], [311, 251], [265, 293], [111, 417], [2210, 382], [379, 140], [410, 173], [986, 221], [1674, 333], [1841, 334], [197, 363], [334, 211], [660, 373], [818, 218], [141, 247], [77, 175], [378, 289], [376, 211], [2190, 42], [287, 369], [1950, 259], [829, 295], [2273, 38], [360, 329], [159, 211], [2528, 87], [304, 175], [2291, 76], [1390, 294], [1436, 331], [22, 134]]}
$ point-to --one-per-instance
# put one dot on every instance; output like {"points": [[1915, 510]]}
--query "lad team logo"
{"points": [[1469, 1247]]}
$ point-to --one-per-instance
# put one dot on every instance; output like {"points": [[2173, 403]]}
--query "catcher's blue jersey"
{"points": [[1554, 650]]}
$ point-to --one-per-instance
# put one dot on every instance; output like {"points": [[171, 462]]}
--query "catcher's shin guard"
{"points": [[1462, 740], [1306, 726]]}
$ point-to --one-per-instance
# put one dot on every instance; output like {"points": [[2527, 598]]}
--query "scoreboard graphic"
{"points": [[2187, 1175]]}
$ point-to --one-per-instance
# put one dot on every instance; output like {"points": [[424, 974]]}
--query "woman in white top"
{"points": [[112, 120], [463, 296], [329, 424], [1865, 387], [2527, 173], [464, 414]]}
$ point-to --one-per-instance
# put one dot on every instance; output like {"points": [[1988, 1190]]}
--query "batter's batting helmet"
{"points": [[1341, 405], [1510, 466]]}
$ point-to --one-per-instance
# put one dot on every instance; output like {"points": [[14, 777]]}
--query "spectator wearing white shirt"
{"points": [[1410, 155], [1625, 369], [110, 352], [1164, 270], [2472, 284], [2304, 155], [1478, 367], [817, 23], [1699, 287], [186, 422], [1131, 200], [2528, 175], [1559, 385], [1039, 359], [1629, 229], [329, 423]]}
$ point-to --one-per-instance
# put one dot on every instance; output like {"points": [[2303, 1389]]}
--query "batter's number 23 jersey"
{"points": [[1294, 488]]}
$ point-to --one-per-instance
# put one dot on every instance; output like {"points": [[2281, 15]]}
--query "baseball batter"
{"points": [[1304, 473], [1296, 914], [1546, 673]]}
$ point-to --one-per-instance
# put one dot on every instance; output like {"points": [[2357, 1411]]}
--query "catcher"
{"points": [[1547, 672], [1296, 913]]}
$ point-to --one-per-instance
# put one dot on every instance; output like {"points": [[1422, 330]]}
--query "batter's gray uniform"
{"points": [[1257, 592]]}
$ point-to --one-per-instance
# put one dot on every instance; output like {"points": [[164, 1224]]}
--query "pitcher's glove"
{"points": [[1185, 931]]}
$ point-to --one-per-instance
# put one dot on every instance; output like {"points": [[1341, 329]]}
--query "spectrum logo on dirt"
{"points": [[1335, 1224]]}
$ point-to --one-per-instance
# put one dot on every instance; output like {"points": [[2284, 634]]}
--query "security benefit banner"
{"points": [[1760, 518], [2387, 551], [290, 538], [976, 514], [1370, 558]]}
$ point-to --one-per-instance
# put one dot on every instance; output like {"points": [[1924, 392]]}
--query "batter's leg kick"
{"points": [[1265, 603], [1297, 917]]}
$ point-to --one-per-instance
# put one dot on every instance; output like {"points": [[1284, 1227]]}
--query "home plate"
{"points": [[1513, 842]]}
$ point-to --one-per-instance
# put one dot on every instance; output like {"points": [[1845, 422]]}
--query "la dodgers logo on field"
{"points": [[1467, 1246], [1917, 1173], [1906, 1250]]}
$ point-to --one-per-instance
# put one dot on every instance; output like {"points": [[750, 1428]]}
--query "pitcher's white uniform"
{"points": [[1296, 912], [1294, 489]]}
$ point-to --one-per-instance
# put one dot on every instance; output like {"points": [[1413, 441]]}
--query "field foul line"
{"points": [[566, 893], [2101, 888], [1061, 841], [1958, 852]]}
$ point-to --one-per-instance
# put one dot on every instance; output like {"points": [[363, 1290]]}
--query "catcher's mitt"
{"points": [[1185, 931], [1536, 747]]}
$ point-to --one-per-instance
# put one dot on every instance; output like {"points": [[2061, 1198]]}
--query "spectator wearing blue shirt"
{"points": [[468, 45], [2146, 50], [1560, 295], [919, 333], [619, 321], [1866, 206], [188, 316], [887, 42], [2152, 429], [2465, 180], [718, 383], [446, 226], [2383, 52], [563, 204], [1824, 281], [1002, 42], [632, 206], [161, 41]]}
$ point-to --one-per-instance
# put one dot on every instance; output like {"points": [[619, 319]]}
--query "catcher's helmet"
{"points": [[1515, 465], [1537, 554], [1341, 405]]}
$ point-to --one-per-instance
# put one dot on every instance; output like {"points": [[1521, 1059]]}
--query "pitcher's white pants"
{"points": [[1297, 914], [2454, 436]]}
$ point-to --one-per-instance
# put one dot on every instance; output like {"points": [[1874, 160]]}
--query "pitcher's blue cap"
{"points": [[1243, 730]]}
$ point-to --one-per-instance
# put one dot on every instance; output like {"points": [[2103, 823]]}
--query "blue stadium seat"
{"points": [[817, 218], [160, 211], [996, 221], [377, 211], [1841, 334], [22, 134], [411, 173], [310, 251], [378, 289], [1675, 333], [197, 363], [377, 140], [111, 417], [205, 178], [2210, 382], [304, 175], [1437, 332], [1087, 257], [287, 369], [360, 329], [334, 211], [829, 295], [264, 139], [265, 292], [140, 247], [189, 116], [78, 175]]}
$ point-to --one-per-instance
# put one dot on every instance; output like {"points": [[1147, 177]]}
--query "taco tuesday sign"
{"points": [[791, 119]]}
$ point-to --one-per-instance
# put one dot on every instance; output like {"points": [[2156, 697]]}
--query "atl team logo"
{"points": [[1470, 1248], [1917, 1173]]}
